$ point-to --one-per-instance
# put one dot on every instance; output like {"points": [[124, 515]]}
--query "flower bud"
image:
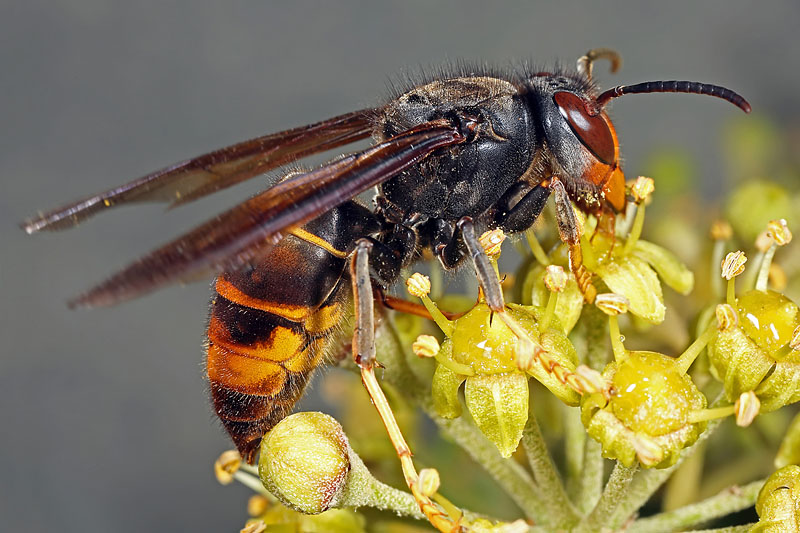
{"points": [[226, 465], [778, 503], [429, 481], [747, 408], [721, 230], [425, 346], [642, 188], [648, 414], [305, 462], [779, 232], [491, 241], [726, 317], [733, 264], [418, 285], [555, 279], [612, 304], [752, 355]]}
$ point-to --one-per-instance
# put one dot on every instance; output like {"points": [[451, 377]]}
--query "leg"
{"points": [[364, 355], [483, 268], [523, 213], [569, 231]]}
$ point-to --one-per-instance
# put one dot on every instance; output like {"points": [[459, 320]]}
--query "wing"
{"points": [[208, 173], [233, 238]]}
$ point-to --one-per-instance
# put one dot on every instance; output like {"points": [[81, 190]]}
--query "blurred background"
{"points": [[105, 419]]}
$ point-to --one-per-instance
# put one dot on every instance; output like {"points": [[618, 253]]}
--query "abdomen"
{"points": [[272, 324]]}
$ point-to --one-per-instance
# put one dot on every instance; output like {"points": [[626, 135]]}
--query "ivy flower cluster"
{"points": [[485, 378]]}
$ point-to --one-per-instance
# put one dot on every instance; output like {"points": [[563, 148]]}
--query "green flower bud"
{"points": [[756, 355], [305, 462], [484, 342], [648, 414], [499, 405], [778, 503]]}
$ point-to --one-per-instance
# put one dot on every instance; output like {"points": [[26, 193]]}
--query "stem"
{"points": [[690, 354], [750, 274], [552, 300], [545, 474], [763, 271], [251, 482], [536, 248], [731, 298], [648, 481], [591, 487], [363, 490], [717, 254], [508, 474], [616, 338], [591, 482], [636, 230], [615, 492], [703, 415], [728, 501], [444, 324], [574, 442]]}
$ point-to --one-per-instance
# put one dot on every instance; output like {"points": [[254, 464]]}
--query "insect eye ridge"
{"points": [[591, 129]]}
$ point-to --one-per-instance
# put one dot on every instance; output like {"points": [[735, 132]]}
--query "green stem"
{"points": [[545, 474], [591, 487], [507, 473], [731, 296], [690, 354], [538, 252], [616, 339], [574, 441], [251, 482], [363, 490], [763, 270], [717, 255], [591, 482], [613, 494], [648, 481], [636, 230], [724, 503]]}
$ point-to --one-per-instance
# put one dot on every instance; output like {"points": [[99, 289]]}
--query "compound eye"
{"points": [[592, 131]]}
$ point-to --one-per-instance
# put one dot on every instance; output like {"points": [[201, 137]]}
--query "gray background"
{"points": [[105, 423]]}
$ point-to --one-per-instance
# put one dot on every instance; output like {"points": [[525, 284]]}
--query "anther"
{"points": [[733, 264], [642, 188], [418, 285], [425, 346], [727, 317]]}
